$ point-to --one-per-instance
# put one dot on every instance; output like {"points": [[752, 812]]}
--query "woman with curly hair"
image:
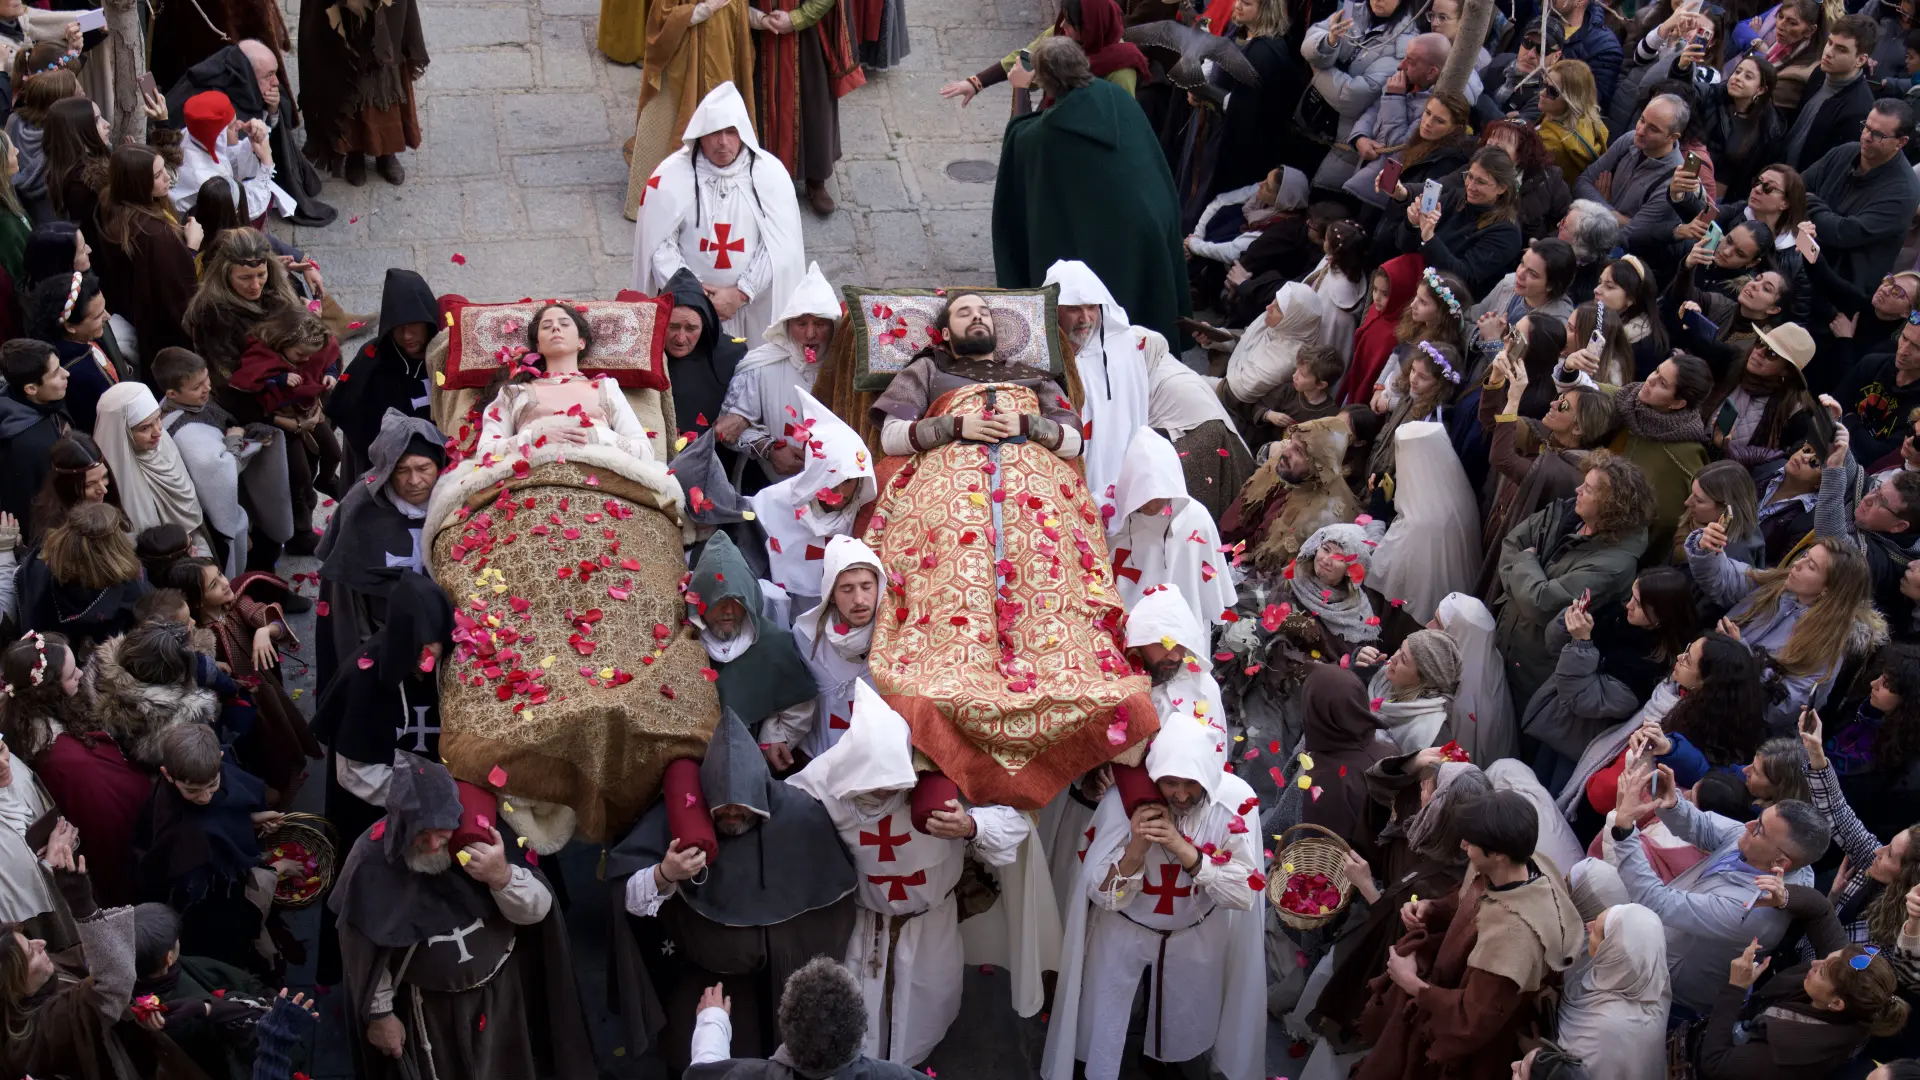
{"points": [[1875, 747], [1807, 617], [1807, 1021], [84, 580], [1583, 549], [243, 284]]}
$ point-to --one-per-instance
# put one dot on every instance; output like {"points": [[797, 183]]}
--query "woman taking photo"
{"points": [[1538, 459], [1571, 127], [1626, 290], [1792, 38], [1597, 344], [1809, 615], [1762, 407], [1544, 193], [1723, 489], [1431, 143], [1875, 747], [1865, 324], [1742, 128], [145, 260], [1475, 235]]}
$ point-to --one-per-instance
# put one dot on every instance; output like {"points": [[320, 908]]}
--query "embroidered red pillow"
{"points": [[629, 338]]}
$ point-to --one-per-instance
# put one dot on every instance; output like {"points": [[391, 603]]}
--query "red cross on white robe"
{"points": [[1166, 890], [720, 246], [1120, 567], [897, 885], [837, 722], [652, 182], [884, 839], [1088, 844], [815, 553]]}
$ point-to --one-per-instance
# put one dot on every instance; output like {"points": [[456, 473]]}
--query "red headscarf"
{"points": [[1100, 27], [1375, 338]]}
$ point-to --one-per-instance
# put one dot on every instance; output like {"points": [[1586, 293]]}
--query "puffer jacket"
{"points": [[137, 713], [1545, 564]]}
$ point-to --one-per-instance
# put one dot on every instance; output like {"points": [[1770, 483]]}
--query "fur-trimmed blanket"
{"points": [[1012, 691], [137, 713], [572, 673]]}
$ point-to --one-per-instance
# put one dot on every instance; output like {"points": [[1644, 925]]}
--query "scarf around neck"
{"points": [[853, 645], [1679, 425]]}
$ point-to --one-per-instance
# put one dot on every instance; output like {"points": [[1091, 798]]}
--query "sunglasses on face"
{"points": [[1550, 92], [1766, 188]]}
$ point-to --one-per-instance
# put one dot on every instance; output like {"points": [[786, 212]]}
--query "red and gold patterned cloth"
{"points": [[1013, 687]]}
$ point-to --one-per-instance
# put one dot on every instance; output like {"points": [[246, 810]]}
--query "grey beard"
{"points": [[437, 862], [1080, 339], [974, 346]]}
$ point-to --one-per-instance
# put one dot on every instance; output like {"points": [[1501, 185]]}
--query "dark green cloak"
{"points": [[1085, 179], [771, 674]]}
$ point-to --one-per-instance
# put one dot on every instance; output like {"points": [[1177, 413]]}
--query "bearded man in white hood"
{"points": [[764, 400], [834, 638], [1110, 353]]}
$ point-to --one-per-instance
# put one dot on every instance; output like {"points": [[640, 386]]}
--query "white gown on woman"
{"points": [[1433, 546]]}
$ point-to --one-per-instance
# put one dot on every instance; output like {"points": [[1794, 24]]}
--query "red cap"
{"points": [[208, 115]]}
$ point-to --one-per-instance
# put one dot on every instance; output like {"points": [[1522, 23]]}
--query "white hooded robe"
{"points": [[1113, 375], [770, 377], [797, 529], [1179, 546], [1433, 546], [838, 661]]}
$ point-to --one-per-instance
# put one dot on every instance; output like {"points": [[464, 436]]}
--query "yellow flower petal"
{"points": [[1167, 642], [1239, 738], [606, 673], [523, 841], [1306, 761], [679, 444], [977, 499], [546, 662], [1286, 867], [506, 807], [746, 515], [440, 377], [1305, 781], [463, 857]]}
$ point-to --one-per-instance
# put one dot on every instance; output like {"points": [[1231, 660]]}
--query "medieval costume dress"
{"points": [[762, 676], [768, 901], [481, 979], [201, 860], [803, 512], [373, 537], [1183, 406], [101, 793], [880, 31], [1485, 972], [767, 383], [735, 225], [692, 48], [701, 378], [798, 80], [1125, 225], [358, 64], [278, 747], [383, 376], [367, 713], [1113, 376]]}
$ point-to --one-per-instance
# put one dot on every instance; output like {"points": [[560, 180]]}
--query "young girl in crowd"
{"points": [[1627, 291], [1435, 315], [289, 361], [248, 635], [1394, 287]]}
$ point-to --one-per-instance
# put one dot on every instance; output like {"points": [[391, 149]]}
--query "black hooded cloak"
{"points": [[771, 900], [700, 378], [382, 377], [504, 1004], [369, 542], [196, 859], [771, 675], [230, 72]]}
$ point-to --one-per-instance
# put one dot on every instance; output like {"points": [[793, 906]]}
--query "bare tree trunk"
{"points": [[126, 56], [1474, 21]]}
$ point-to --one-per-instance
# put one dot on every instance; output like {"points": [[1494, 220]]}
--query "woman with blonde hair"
{"points": [[84, 580], [242, 285], [1806, 618], [1570, 121]]}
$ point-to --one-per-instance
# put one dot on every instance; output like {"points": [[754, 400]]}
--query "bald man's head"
{"points": [[1426, 55], [266, 70]]}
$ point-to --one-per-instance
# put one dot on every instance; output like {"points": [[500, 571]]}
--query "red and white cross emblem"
{"points": [[1166, 890], [720, 246], [885, 840]]}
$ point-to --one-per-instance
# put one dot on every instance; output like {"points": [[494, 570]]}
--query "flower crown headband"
{"points": [[1432, 279], [73, 297], [39, 673], [63, 60], [1446, 370]]}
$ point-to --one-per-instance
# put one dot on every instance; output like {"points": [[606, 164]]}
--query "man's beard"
{"points": [[721, 635], [974, 344], [1291, 477], [1079, 338], [732, 828], [430, 862], [1163, 672]]}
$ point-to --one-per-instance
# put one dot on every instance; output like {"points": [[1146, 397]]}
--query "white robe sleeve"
{"points": [[998, 833], [381, 1003], [524, 901], [667, 259], [712, 1036], [790, 725], [1226, 883], [8, 564], [743, 399], [364, 781], [644, 896], [1118, 892], [895, 439], [758, 275], [626, 435]]}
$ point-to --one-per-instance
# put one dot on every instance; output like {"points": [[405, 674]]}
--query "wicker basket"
{"points": [[314, 833], [1317, 850]]}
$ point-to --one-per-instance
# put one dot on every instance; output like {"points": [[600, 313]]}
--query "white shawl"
{"points": [[1615, 1008], [155, 487], [1482, 707], [1433, 546]]}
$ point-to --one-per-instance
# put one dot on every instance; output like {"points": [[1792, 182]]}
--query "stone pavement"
{"points": [[520, 168]]}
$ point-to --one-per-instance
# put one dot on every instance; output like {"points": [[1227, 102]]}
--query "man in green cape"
{"points": [[1123, 221]]}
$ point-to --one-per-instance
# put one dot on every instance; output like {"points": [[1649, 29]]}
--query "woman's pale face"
{"points": [[1597, 931], [1819, 985], [97, 483], [1881, 696], [100, 125], [69, 674], [1768, 194], [248, 282], [1789, 28], [1401, 671], [1444, 17], [558, 334], [1608, 292], [1425, 306], [1701, 509], [1482, 190], [1245, 12], [1745, 81], [1686, 666], [1330, 564], [39, 964], [1638, 614], [1421, 380], [146, 434], [1886, 861], [1755, 774], [1436, 122], [161, 182], [1808, 576], [1804, 466]]}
